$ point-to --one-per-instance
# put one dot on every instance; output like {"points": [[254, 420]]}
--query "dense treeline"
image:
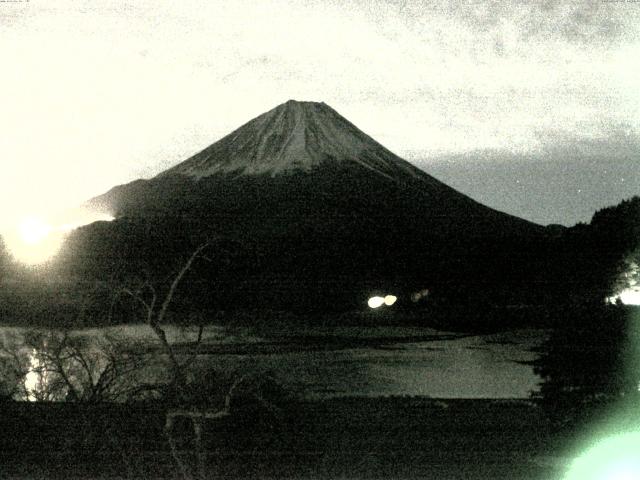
{"points": [[591, 359], [307, 273], [592, 259]]}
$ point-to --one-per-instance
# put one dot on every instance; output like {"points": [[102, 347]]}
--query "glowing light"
{"points": [[630, 296], [375, 302], [35, 240], [33, 230], [33, 381], [615, 458]]}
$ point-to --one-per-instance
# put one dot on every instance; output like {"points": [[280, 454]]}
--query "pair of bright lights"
{"points": [[375, 302]]}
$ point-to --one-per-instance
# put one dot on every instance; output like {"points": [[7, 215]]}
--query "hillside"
{"points": [[318, 211]]}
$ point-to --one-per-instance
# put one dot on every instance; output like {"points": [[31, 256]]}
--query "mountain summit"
{"points": [[293, 137]]}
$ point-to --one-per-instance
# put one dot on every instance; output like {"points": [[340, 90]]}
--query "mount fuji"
{"points": [[291, 144], [323, 210]]}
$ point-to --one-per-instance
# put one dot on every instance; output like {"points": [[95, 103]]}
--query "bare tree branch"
{"points": [[177, 280]]}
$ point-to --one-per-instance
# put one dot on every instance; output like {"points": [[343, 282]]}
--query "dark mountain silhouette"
{"points": [[298, 143], [318, 214]]}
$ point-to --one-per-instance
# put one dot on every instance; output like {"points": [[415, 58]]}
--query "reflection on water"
{"points": [[96, 366], [35, 381], [488, 366]]}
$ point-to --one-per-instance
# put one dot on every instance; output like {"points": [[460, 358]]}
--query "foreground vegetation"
{"points": [[223, 426], [339, 438]]}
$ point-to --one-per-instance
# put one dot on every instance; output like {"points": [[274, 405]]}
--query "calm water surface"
{"points": [[445, 365], [467, 367]]}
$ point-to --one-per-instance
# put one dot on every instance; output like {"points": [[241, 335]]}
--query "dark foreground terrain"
{"points": [[341, 438]]}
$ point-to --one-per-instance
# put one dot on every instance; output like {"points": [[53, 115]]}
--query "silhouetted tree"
{"points": [[597, 255], [592, 357], [195, 398], [155, 307], [65, 366], [14, 367]]}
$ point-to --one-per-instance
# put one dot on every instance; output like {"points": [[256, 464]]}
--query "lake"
{"points": [[361, 361]]}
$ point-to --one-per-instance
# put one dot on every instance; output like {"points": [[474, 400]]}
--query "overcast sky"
{"points": [[530, 107]]}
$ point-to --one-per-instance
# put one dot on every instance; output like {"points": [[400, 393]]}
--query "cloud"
{"points": [[582, 22], [585, 22], [614, 142], [107, 91], [565, 181]]}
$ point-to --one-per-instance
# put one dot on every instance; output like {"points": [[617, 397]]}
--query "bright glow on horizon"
{"points": [[35, 240], [33, 230]]}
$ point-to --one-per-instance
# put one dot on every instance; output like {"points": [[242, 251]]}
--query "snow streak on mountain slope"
{"points": [[295, 137]]}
